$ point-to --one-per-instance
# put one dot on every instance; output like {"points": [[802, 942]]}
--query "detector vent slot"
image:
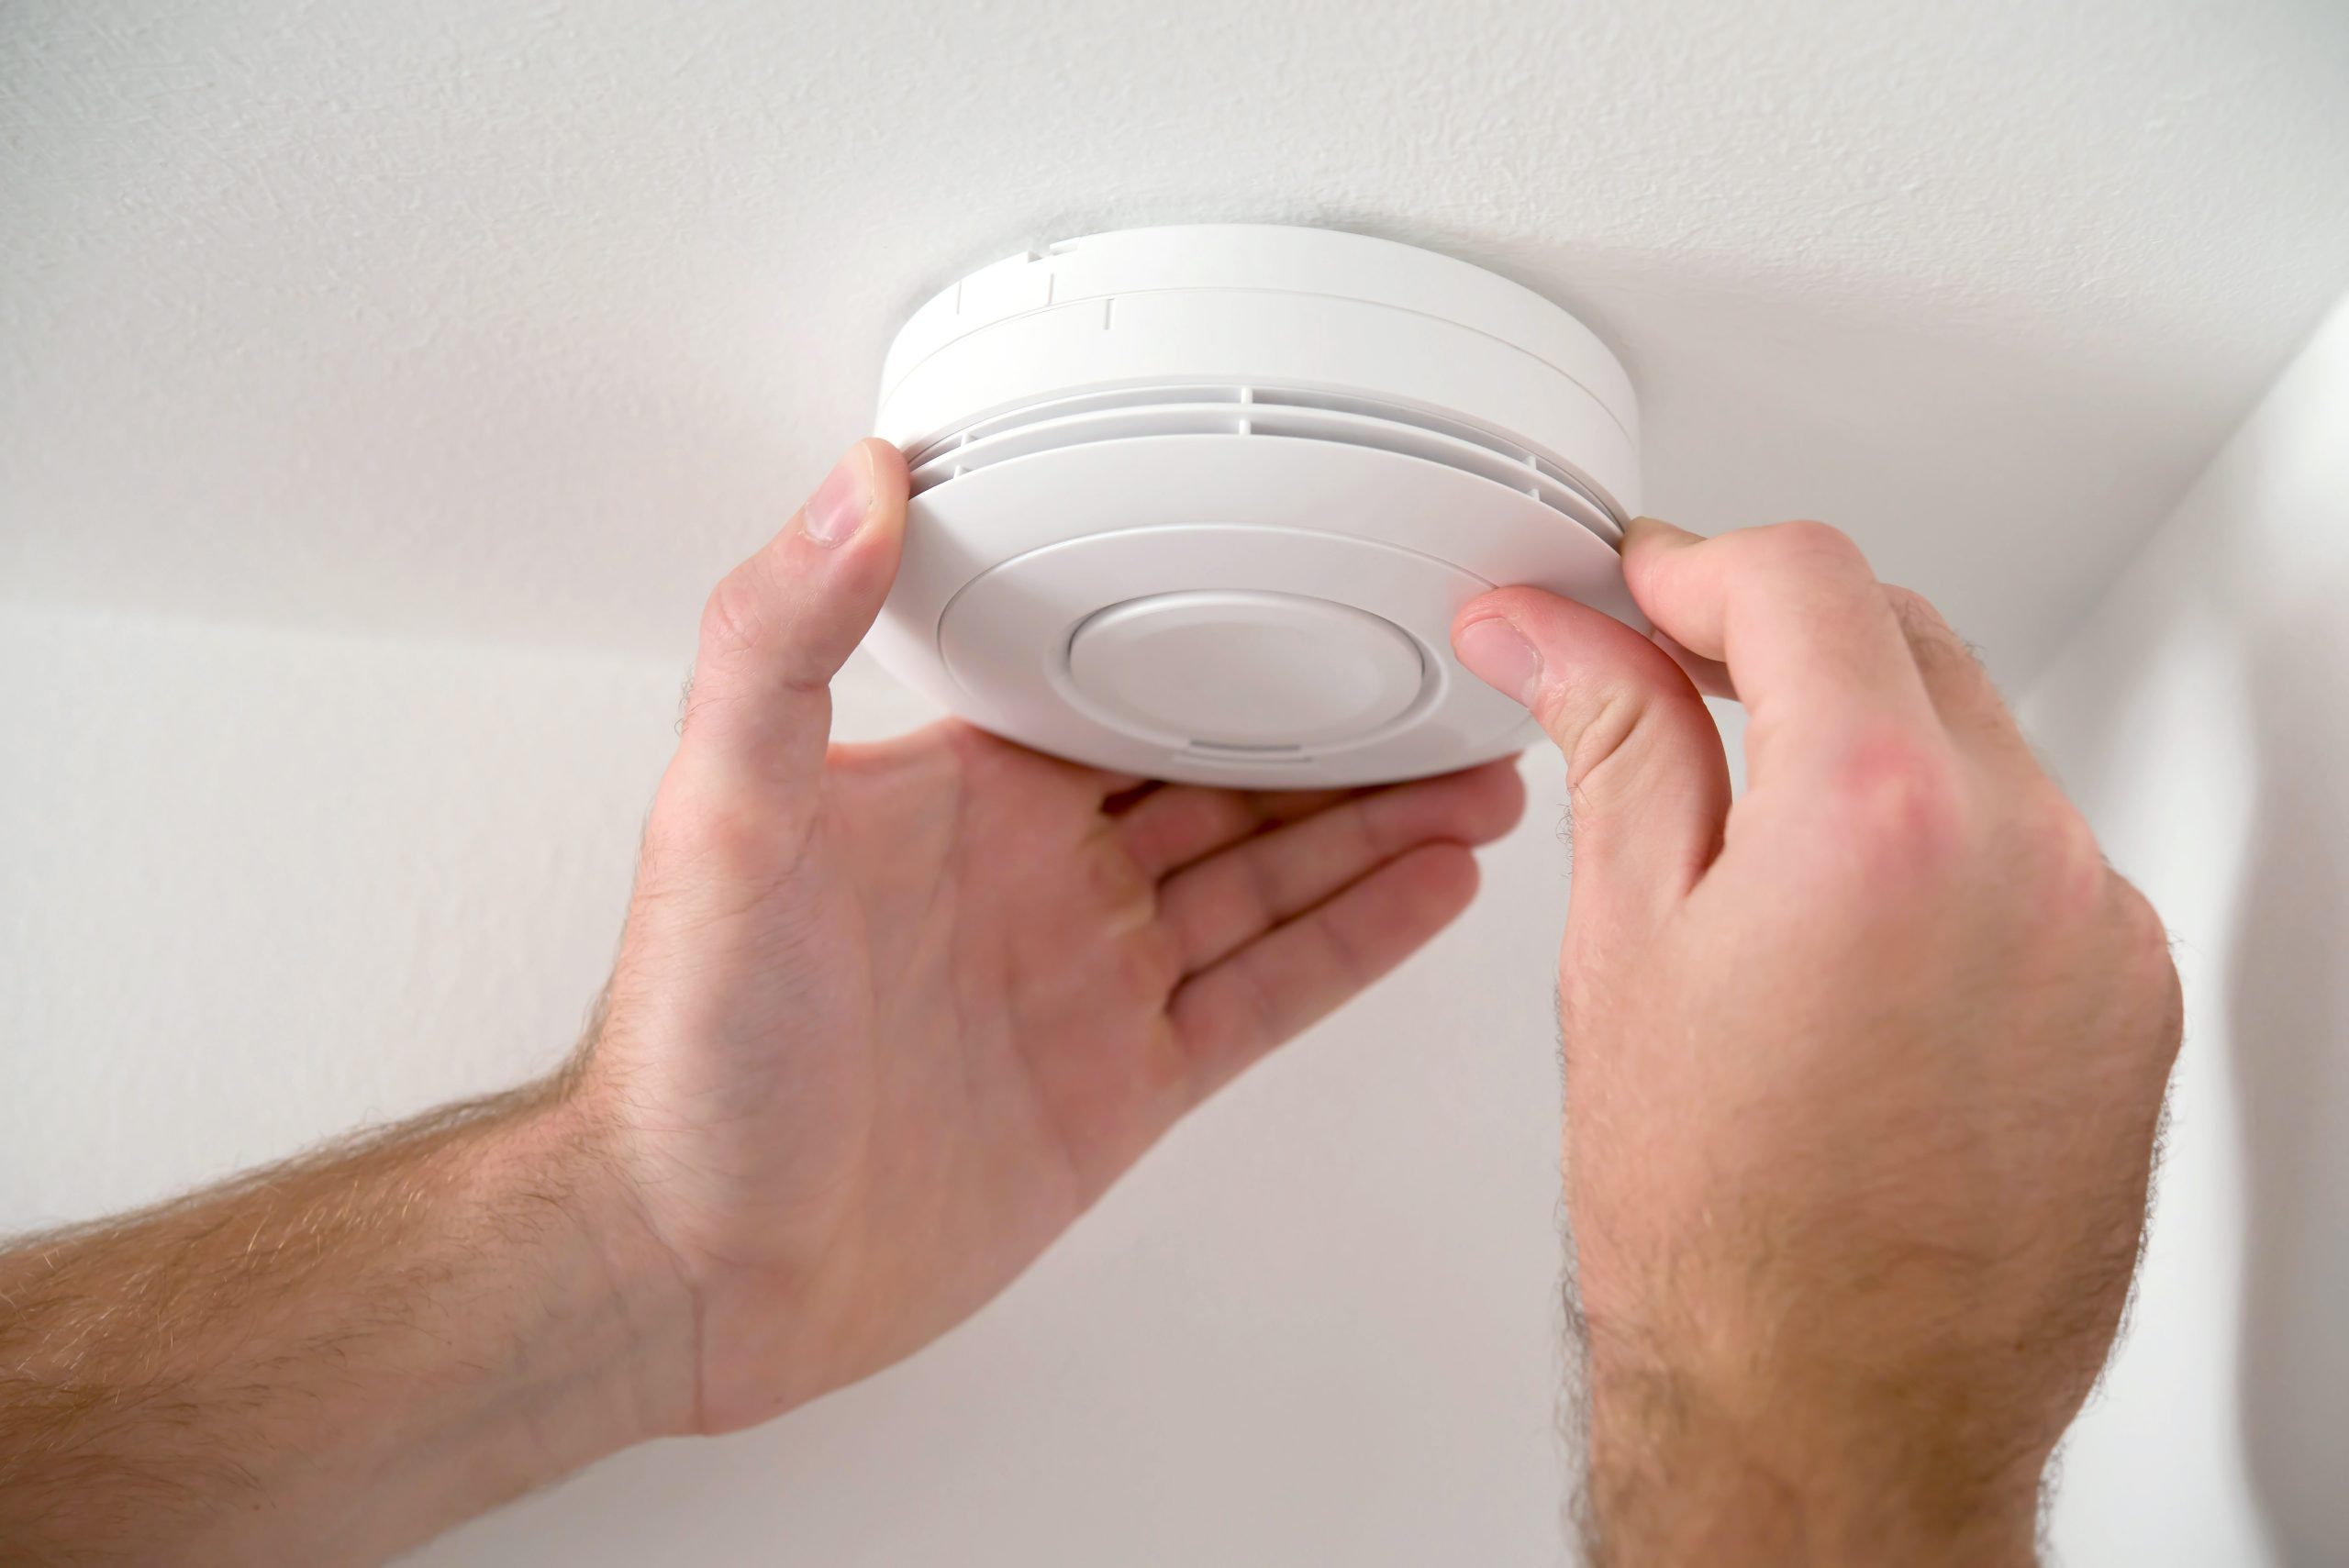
{"points": [[1258, 411]]}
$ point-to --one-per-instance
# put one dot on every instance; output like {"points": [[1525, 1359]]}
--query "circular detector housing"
{"points": [[1200, 503]]}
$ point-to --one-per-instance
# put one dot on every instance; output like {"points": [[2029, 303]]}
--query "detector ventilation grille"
{"points": [[1280, 412]]}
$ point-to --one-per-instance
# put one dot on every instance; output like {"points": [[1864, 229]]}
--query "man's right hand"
{"points": [[1863, 1072]]}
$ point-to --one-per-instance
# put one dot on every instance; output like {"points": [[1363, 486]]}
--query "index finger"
{"points": [[1799, 619]]}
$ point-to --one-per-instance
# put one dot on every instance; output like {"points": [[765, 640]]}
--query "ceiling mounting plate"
{"points": [[1200, 503]]}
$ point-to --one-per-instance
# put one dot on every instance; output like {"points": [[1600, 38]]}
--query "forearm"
{"points": [[334, 1360]]}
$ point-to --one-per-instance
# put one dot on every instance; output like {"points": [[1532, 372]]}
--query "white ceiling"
{"points": [[521, 322]]}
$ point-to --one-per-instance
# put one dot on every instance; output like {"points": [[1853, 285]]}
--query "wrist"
{"points": [[1683, 1470], [610, 1357]]}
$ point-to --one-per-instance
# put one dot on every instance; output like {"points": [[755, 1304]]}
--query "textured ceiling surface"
{"points": [[519, 323]]}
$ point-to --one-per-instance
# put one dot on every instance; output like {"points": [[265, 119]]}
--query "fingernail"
{"points": [[837, 509], [1500, 656], [1665, 533]]}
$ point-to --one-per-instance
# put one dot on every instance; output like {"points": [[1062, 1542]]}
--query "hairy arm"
{"points": [[334, 1359]]}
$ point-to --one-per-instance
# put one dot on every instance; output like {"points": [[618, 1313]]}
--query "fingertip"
{"points": [[1501, 603], [892, 479], [1654, 533], [1565, 635], [1501, 795], [1472, 808], [1649, 545], [866, 557], [1483, 605], [886, 484], [1492, 648], [777, 627], [1467, 874], [1648, 540], [1444, 878], [1642, 756]]}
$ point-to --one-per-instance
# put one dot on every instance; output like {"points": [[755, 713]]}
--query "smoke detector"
{"points": [[1200, 503]]}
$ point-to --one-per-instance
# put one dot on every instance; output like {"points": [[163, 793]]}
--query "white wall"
{"points": [[2201, 718], [258, 886]]}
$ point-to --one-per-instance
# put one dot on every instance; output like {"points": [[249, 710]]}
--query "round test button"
{"points": [[1245, 669]]}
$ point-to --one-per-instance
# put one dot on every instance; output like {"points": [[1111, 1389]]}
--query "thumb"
{"points": [[779, 626], [1645, 774]]}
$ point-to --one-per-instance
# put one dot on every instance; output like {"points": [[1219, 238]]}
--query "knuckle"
{"points": [[1809, 539], [2170, 1030], [702, 705], [1149, 966], [2063, 864], [1899, 800], [2142, 932], [2151, 967], [732, 618], [1931, 639], [708, 820], [726, 834], [1117, 886], [1916, 611], [1593, 729]]}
